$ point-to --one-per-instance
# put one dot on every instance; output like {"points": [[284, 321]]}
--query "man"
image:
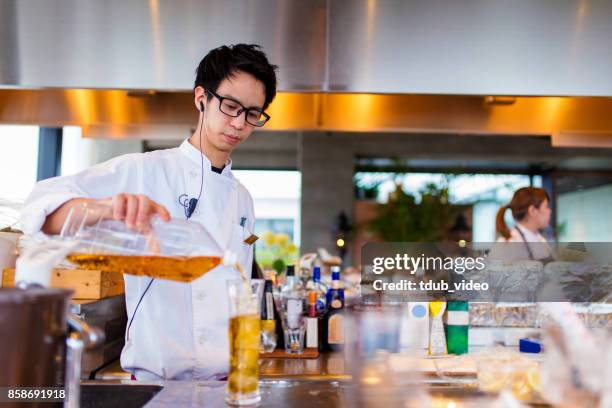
{"points": [[177, 330]]}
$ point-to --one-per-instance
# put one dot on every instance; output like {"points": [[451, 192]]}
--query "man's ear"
{"points": [[200, 98]]}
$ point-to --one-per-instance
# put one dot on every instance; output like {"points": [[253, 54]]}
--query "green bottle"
{"points": [[457, 325]]}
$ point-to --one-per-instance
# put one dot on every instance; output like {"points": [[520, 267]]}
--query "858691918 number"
{"points": [[32, 394]]}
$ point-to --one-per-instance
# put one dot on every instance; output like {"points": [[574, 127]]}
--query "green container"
{"points": [[457, 327]]}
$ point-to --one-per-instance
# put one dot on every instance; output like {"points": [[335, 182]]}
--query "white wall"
{"points": [[79, 153], [587, 215]]}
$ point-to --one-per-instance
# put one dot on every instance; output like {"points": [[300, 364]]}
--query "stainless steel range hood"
{"points": [[570, 121], [124, 68], [495, 47]]}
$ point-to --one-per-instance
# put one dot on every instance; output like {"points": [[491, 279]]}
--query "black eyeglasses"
{"points": [[230, 107]]}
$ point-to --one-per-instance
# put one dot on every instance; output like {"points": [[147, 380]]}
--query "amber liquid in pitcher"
{"points": [[182, 269]]}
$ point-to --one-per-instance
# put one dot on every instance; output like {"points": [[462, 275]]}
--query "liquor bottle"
{"points": [[292, 299], [333, 323], [268, 322], [335, 270], [313, 332], [320, 290]]}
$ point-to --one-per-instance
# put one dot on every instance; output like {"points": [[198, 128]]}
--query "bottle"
{"points": [[457, 326], [268, 322], [335, 270], [313, 334], [437, 337], [333, 322], [292, 299], [320, 290]]}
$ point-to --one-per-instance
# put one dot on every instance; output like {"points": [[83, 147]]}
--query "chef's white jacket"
{"points": [[180, 330]]}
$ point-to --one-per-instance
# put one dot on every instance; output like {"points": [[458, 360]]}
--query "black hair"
{"points": [[225, 61]]}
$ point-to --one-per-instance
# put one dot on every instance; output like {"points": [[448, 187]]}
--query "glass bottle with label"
{"points": [[333, 324], [292, 301], [315, 285], [292, 298], [268, 323], [314, 335]]}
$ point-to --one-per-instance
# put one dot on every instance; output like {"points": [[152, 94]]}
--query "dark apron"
{"points": [[549, 258]]}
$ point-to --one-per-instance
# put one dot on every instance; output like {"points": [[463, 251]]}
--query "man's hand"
{"points": [[136, 210], [133, 209]]}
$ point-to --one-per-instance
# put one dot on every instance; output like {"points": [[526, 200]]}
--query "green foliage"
{"points": [[276, 251], [279, 266], [403, 219]]}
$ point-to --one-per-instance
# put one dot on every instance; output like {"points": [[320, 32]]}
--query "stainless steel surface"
{"points": [[33, 337], [108, 315], [281, 393], [117, 115], [91, 336], [9, 64], [496, 47], [155, 44], [74, 353], [97, 312], [82, 337]]}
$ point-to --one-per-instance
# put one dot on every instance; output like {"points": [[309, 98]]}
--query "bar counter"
{"points": [[283, 393], [323, 381]]}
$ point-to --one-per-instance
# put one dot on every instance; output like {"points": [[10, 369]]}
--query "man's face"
{"points": [[224, 132]]}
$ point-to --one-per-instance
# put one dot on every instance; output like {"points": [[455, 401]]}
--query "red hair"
{"points": [[521, 201]]}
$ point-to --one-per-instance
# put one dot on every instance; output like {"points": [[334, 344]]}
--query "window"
{"points": [[276, 196], [18, 161], [583, 208], [484, 193]]}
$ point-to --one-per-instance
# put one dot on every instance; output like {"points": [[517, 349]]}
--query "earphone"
{"points": [[190, 204]]}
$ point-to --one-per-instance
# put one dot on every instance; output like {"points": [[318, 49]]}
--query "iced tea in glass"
{"points": [[244, 333]]}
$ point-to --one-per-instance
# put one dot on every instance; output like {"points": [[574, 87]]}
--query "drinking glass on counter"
{"points": [[244, 332], [294, 337], [294, 325]]}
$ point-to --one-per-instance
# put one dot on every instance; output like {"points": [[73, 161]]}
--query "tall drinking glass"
{"points": [[242, 381]]}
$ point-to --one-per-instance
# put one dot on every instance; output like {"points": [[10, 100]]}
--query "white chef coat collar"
{"points": [[195, 156]]}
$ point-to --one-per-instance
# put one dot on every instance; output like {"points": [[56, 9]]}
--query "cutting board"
{"points": [[86, 284]]}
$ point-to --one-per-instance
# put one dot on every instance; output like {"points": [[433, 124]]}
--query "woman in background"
{"points": [[530, 210]]}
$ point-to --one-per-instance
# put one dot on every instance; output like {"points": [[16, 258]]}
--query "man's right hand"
{"points": [[136, 210]]}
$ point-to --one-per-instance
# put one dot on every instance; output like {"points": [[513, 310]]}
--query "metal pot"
{"points": [[37, 336], [33, 330]]}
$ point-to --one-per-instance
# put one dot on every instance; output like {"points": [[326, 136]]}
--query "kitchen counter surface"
{"points": [[295, 394], [324, 381]]}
